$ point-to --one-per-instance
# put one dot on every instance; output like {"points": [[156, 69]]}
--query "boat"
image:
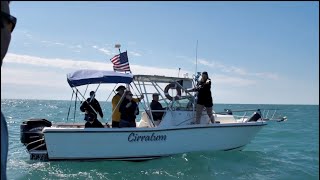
{"points": [[175, 134]]}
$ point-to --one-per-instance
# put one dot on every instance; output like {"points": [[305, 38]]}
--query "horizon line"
{"points": [[213, 103]]}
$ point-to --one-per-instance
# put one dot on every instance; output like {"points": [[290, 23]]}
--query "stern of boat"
{"points": [[32, 137]]}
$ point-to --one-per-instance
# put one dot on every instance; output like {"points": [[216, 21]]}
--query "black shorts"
{"points": [[115, 124], [205, 103], [124, 123], [95, 124]]}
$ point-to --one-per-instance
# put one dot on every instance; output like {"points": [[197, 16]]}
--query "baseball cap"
{"points": [[120, 88], [155, 94]]}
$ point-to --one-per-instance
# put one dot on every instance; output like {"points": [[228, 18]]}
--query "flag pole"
{"points": [[128, 60]]}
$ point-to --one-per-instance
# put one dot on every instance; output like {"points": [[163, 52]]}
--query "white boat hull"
{"points": [[144, 143]]}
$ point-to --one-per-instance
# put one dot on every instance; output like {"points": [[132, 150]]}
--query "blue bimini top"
{"points": [[86, 76]]}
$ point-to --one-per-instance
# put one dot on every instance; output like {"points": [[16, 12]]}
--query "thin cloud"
{"points": [[132, 43], [134, 53], [103, 50], [55, 63], [27, 34], [79, 46], [77, 64], [57, 43], [34, 78], [49, 43], [204, 62], [26, 44], [237, 70], [182, 57], [232, 81], [69, 65]]}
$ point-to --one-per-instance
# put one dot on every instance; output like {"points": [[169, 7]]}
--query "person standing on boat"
{"points": [[128, 109], [115, 106], [155, 105], [204, 97], [90, 107], [8, 23]]}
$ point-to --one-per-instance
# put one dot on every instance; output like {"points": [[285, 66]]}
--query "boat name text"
{"points": [[133, 137]]}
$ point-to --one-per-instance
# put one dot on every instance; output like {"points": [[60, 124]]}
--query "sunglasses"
{"points": [[130, 94], [11, 19]]}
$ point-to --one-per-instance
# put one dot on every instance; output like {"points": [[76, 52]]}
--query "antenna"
{"points": [[196, 58], [195, 74]]}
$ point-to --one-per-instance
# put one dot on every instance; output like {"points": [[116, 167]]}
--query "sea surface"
{"points": [[281, 150]]}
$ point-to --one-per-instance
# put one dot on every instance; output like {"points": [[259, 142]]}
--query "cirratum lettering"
{"points": [[134, 137]]}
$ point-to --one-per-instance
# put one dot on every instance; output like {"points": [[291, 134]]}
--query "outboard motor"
{"points": [[31, 130], [228, 111], [255, 117]]}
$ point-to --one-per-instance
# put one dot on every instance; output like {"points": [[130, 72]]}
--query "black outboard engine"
{"points": [[255, 117], [31, 132], [228, 111]]}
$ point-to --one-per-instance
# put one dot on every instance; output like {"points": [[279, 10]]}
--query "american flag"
{"points": [[120, 62]]}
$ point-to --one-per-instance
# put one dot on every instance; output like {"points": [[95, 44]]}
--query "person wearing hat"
{"points": [[128, 109], [204, 99], [155, 105], [91, 107], [115, 105]]}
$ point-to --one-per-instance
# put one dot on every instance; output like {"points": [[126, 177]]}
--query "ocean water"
{"points": [[285, 150]]}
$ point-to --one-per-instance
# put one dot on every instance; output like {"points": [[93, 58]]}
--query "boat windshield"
{"points": [[185, 103]]}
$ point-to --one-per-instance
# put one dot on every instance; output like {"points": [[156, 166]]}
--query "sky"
{"points": [[254, 52]]}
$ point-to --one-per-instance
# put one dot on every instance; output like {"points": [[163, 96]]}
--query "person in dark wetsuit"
{"points": [[90, 114], [204, 97], [128, 109]]}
